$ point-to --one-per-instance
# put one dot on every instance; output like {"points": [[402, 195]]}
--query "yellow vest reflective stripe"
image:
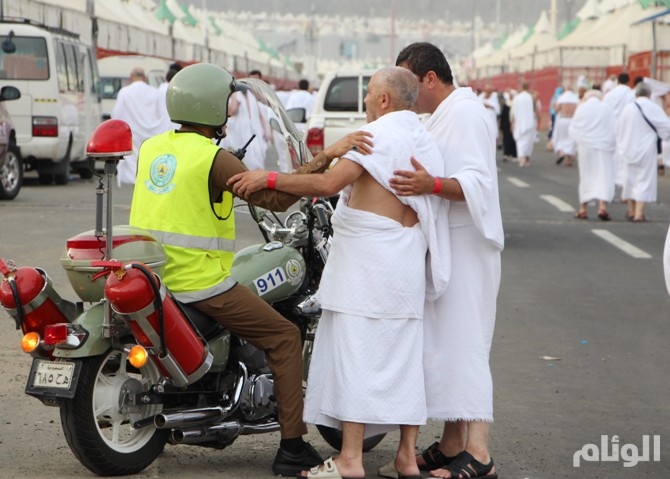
{"points": [[171, 199], [187, 241]]}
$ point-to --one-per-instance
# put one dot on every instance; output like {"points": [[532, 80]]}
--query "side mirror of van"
{"points": [[8, 45], [9, 93]]}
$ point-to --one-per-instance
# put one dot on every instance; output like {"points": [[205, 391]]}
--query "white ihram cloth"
{"points": [[525, 123], [636, 145], [658, 90], [617, 98], [138, 104], [593, 129], [162, 102], [241, 127], [458, 326], [560, 136], [367, 362]]}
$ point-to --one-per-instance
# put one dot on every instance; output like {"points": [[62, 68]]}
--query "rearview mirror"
{"points": [[9, 93]]}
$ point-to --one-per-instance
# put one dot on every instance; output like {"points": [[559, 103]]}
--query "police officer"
{"points": [[181, 196]]}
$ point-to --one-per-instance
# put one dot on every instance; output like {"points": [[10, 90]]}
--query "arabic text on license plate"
{"points": [[52, 374]]}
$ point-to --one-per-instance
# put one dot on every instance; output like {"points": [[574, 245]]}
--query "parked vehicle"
{"points": [[11, 166], [59, 107], [115, 74], [338, 108], [138, 370]]}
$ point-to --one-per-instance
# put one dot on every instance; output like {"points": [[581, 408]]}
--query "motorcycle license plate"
{"points": [[53, 378]]}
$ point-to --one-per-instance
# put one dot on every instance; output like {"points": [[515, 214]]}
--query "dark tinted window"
{"points": [[342, 94]]}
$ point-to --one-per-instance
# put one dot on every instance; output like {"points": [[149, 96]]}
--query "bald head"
{"points": [[137, 73], [401, 86]]}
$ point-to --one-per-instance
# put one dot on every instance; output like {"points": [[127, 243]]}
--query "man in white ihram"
{"points": [[617, 98], [592, 127], [636, 145], [564, 146], [366, 374], [524, 121], [138, 104]]}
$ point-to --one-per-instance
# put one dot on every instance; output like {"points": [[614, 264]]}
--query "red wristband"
{"points": [[272, 180], [437, 187]]}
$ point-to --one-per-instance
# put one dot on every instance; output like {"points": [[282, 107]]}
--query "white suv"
{"points": [[338, 108]]}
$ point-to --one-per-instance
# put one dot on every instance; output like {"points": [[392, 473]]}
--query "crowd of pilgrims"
{"points": [[617, 134]]}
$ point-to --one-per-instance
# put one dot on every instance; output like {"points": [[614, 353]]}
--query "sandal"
{"points": [[434, 458], [642, 219], [581, 215], [604, 215], [466, 466]]}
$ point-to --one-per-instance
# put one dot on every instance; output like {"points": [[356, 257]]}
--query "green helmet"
{"points": [[199, 94]]}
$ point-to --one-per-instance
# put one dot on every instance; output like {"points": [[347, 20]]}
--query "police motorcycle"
{"points": [[129, 367]]}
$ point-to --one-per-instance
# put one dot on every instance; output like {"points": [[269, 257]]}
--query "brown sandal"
{"points": [[581, 215], [604, 215]]}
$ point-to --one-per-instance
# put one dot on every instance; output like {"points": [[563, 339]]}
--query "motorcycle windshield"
{"points": [[255, 110]]}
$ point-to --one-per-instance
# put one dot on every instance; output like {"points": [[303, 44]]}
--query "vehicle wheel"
{"points": [[86, 172], [97, 421], [63, 176], [11, 174], [45, 178], [334, 438]]}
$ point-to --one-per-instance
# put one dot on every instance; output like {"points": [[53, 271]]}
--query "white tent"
{"points": [[522, 58], [498, 61]]}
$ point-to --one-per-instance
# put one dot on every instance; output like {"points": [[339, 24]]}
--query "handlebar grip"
{"points": [[322, 217]]}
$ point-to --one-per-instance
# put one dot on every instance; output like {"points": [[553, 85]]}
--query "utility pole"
{"points": [[392, 32], [554, 17]]}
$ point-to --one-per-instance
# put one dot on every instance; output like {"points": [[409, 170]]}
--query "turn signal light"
{"points": [[137, 356], [30, 341]]}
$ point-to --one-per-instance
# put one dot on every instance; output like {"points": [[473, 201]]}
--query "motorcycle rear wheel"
{"points": [[334, 438], [97, 421]]}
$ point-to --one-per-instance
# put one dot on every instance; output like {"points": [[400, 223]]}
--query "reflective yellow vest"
{"points": [[171, 200]]}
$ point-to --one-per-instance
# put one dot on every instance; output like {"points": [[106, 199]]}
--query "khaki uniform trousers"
{"points": [[250, 318]]}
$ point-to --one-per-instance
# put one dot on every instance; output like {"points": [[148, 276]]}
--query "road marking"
{"points": [[558, 203], [624, 246], [517, 182]]}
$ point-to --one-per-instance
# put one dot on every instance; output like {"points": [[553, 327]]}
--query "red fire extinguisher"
{"points": [[27, 294], [157, 323]]}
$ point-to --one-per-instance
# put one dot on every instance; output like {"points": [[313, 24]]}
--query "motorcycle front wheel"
{"points": [[97, 422]]}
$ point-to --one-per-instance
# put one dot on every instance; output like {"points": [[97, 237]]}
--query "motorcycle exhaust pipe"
{"points": [[193, 417], [188, 418], [225, 431]]}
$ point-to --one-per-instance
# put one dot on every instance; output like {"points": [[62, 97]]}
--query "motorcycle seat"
{"points": [[207, 326]]}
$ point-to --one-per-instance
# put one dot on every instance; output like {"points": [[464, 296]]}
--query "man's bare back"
{"points": [[566, 109], [368, 195]]}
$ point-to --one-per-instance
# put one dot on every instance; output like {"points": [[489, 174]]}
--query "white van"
{"points": [[115, 74], [338, 109], [59, 106]]}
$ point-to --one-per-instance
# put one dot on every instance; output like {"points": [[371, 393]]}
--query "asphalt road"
{"points": [[580, 349]]}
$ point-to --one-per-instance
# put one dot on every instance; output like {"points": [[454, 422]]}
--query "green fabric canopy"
{"points": [[188, 19], [568, 28], [654, 3], [164, 13]]}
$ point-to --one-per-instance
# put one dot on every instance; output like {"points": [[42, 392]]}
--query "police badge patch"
{"points": [[161, 174]]}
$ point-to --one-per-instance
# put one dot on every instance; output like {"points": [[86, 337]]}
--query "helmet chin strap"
{"points": [[220, 134]]}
